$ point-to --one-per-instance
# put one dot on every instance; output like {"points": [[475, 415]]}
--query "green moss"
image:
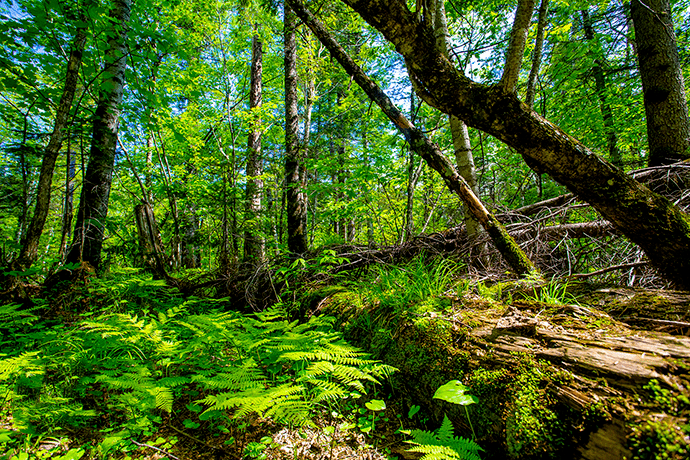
{"points": [[533, 428], [659, 440], [671, 402]]}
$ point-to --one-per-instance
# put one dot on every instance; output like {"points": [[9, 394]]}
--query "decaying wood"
{"points": [[607, 364]]}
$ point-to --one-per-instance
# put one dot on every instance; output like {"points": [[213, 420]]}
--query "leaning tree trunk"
{"points": [[661, 229], [95, 193], [29, 250], [253, 239], [668, 127], [295, 202], [422, 145]]}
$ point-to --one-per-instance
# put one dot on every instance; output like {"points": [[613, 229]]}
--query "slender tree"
{"points": [[516, 45], [458, 129], [536, 54], [665, 104], [253, 238], [600, 89], [295, 200], [95, 193], [29, 250]]}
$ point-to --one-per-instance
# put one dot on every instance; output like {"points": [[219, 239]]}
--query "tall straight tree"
{"points": [[95, 193], [458, 129], [29, 250], [665, 104], [295, 202], [536, 54], [253, 238]]}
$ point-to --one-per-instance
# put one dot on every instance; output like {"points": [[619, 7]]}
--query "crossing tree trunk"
{"points": [[660, 228], [429, 151]]}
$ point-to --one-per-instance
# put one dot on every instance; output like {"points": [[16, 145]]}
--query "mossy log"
{"points": [[554, 381]]}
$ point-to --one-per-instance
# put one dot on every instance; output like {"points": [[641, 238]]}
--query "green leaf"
{"points": [[454, 392], [72, 454], [413, 410], [376, 405]]}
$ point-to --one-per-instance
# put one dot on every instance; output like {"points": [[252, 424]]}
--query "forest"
{"points": [[309, 229]]}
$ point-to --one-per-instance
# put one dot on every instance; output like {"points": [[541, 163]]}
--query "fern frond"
{"points": [[9, 366], [164, 398], [443, 445], [445, 432], [432, 452], [15, 314], [174, 381], [328, 391]]}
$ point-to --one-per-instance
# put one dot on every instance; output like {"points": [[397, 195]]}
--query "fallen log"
{"points": [[553, 381]]}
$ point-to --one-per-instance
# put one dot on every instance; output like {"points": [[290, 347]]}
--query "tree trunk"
{"points": [[190, 253], [29, 250], [461, 137], [666, 109], [68, 205], [536, 55], [150, 244], [600, 88], [422, 145], [516, 46], [649, 220], [95, 194], [253, 237], [414, 172], [295, 203]]}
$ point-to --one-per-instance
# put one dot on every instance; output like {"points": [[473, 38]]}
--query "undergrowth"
{"points": [[143, 355]]}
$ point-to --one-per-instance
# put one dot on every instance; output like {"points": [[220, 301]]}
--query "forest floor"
{"points": [[124, 367]]}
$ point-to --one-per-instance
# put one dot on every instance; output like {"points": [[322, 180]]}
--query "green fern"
{"points": [[143, 361], [16, 315], [443, 445]]}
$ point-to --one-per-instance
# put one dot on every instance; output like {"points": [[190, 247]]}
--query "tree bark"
{"points": [[150, 243], [600, 88], [95, 194], [516, 46], [536, 54], [461, 137], [295, 203], [661, 229], [665, 104], [422, 145], [29, 250], [68, 204], [414, 172], [253, 238]]}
